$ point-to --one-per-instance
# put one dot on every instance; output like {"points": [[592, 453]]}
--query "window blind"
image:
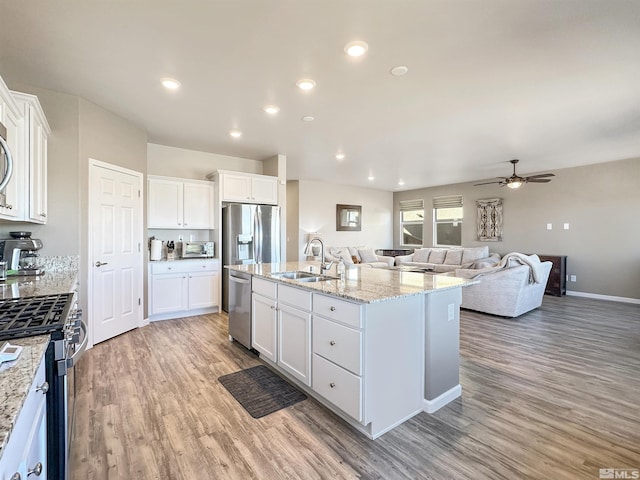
{"points": [[451, 201], [406, 205]]}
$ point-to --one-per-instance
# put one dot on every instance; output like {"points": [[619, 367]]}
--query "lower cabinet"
{"points": [[25, 454], [183, 288], [294, 342]]}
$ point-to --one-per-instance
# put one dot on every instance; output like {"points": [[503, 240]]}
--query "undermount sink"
{"points": [[300, 276]]}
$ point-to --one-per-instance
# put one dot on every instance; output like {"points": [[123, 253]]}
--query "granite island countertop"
{"points": [[360, 284], [15, 380]]}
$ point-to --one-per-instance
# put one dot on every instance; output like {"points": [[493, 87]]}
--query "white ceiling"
{"points": [[553, 83]]}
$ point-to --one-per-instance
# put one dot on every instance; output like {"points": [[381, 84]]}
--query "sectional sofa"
{"points": [[359, 256], [441, 260]]}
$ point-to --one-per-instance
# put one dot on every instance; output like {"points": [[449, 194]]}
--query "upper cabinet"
{"points": [[12, 207], [180, 203], [34, 135], [246, 187]]}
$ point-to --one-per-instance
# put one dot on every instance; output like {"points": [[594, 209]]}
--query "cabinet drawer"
{"points": [[264, 287], [295, 297], [340, 310], [342, 388], [184, 266], [342, 345]]}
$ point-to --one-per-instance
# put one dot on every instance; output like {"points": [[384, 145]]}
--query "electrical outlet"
{"points": [[566, 226], [573, 278], [549, 226], [451, 313]]}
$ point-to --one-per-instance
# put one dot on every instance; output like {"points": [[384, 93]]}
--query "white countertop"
{"points": [[360, 284]]}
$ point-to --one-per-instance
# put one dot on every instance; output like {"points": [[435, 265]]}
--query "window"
{"points": [[447, 221], [411, 221]]}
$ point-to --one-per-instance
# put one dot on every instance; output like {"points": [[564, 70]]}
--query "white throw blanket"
{"points": [[508, 261]]}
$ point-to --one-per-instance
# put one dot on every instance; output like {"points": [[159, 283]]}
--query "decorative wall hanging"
{"points": [[489, 219], [348, 218]]}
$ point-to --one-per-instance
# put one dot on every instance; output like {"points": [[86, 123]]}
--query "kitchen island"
{"points": [[377, 346]]}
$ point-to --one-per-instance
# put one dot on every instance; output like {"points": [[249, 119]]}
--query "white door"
{"points": [[115, 217]]}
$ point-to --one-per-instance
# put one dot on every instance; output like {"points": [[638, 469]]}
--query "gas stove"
{"points": [[26, 317]]}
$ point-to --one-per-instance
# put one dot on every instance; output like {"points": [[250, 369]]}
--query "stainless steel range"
{"points": [[58, 316]]}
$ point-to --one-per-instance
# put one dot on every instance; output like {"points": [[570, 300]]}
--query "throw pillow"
{"points": [[437, 255], [472, 254], [454, 257], [367, 255], [421, 255], [353, 251]]}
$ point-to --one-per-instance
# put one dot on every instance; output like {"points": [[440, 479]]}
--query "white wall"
{"points": [[317, 213], [179, 162]]}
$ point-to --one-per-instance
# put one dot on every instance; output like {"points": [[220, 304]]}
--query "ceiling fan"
{"points": [[516, 181]]}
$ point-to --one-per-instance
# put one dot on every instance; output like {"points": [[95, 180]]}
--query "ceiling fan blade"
{"points": [[538, 180], [486, 183], [542, 175]]}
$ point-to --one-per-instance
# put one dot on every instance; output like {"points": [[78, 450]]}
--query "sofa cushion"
{"points": [[354, 253], [421, 255], [341, 253], [367, 255], [437, 255], [472, 254], [453, 257]]}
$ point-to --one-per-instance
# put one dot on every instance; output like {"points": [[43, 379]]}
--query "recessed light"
{"points": [[356, 49], [308, 118], [235, 133], [340, 156], [371, 177], [271, 109], [401, 182], [170, 83], [399, 71], [305, 84]]}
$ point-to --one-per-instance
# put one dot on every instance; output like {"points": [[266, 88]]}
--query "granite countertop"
{"points": [[361, 284], [15, 380], [51, 283]]}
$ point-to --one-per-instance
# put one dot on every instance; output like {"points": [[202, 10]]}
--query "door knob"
{"points": [[99, 264]]}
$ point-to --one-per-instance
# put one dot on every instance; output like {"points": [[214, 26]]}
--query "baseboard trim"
{"points": [[610, 298], [431, 406]]}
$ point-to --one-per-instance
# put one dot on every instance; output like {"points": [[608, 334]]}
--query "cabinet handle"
{"points": [[333, 309], [44, 388], [10, 207], [185, 224], [272, 307], [37, 470], [332, 343], [332, 385], [168, 268], [43, 215], [16, 476]]}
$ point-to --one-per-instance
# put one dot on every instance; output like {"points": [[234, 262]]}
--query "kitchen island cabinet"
{"points": [[377, 347], [183, 288]]}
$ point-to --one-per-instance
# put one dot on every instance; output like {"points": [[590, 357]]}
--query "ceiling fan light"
{"points": [[516, 184]]}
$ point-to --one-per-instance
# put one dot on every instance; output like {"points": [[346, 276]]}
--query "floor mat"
{"points": [[260, 391]]}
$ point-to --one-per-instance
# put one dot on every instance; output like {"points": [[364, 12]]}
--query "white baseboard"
{"points": [[440, 401], [610, 298]]}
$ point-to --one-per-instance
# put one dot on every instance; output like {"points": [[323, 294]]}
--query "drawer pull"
{"points": [[332, 343], [44, 388], [333, 309], [16, 476], [37, 470], [332, 385]]}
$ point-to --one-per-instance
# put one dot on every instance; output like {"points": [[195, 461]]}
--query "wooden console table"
{"points": [[557, 283]]}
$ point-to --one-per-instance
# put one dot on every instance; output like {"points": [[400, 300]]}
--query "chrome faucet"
{"points": [[324, 268]]}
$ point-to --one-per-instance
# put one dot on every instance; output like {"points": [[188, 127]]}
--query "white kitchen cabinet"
{"points": [[183, 288], [247, 187], [294, 332], [178, 203], [34, 135], [25, 453], [264, 318], [13, 206]]}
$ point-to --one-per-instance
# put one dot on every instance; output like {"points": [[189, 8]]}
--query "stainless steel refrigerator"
{"points": [[250, 234]]}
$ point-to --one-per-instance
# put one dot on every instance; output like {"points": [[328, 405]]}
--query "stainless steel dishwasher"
{"points": [[240, 307]]}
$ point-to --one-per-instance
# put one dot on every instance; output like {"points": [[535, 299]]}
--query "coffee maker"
{"points": [[20, 253]]}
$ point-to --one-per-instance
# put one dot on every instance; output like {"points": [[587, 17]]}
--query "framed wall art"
{"points": [[489, 219], [348, 218]]}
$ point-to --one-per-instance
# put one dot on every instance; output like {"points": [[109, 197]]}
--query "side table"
{"points": [[557, 283]]}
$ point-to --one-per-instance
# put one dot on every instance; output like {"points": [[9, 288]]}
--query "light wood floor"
{"points": [[554, 394]]}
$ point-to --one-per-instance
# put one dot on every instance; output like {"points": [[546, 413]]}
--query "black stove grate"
{"points": [[26, 317]]}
